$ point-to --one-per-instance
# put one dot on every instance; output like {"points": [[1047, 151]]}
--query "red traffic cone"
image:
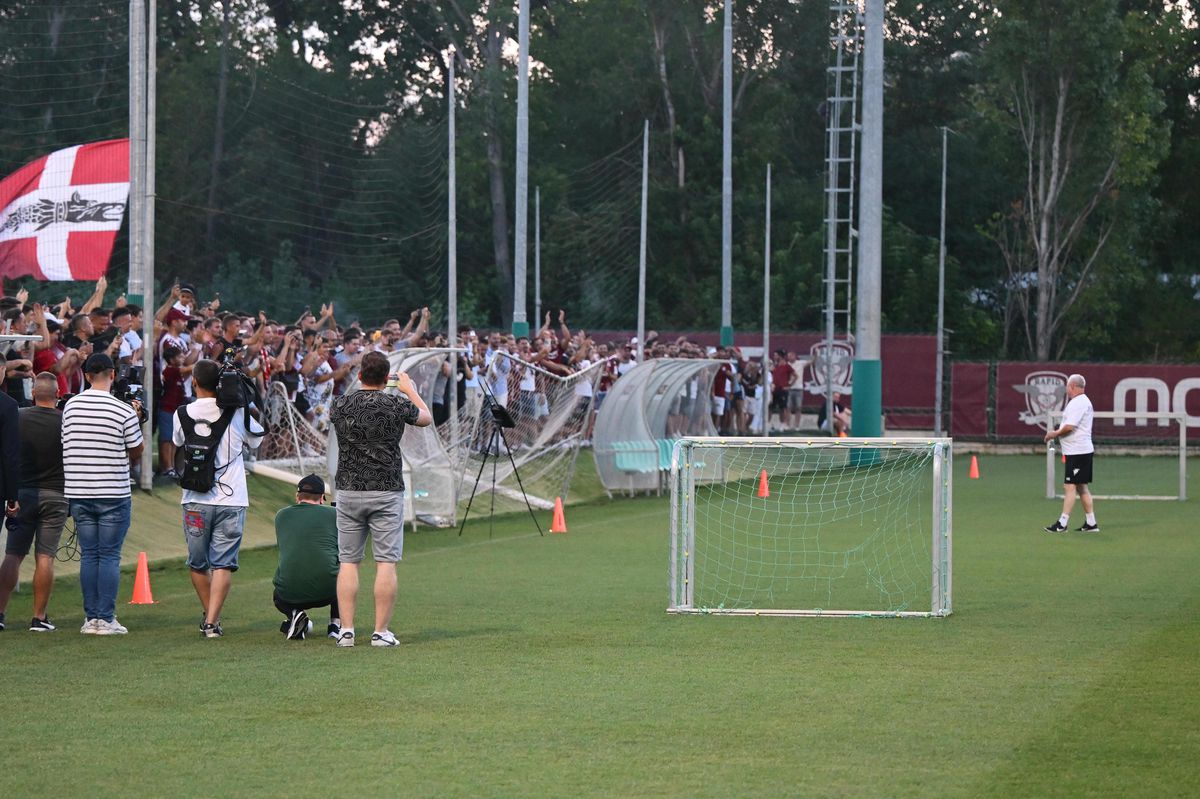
{"points": [[763, 490], [141, 583], [974, 473], [559, 523]]}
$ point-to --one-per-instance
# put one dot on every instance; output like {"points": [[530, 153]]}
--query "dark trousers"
{"points": [[287, 608]]}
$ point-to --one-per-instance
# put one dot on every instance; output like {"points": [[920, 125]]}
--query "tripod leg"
{"points": [[497, 437], [520, 484], [474, 488]]}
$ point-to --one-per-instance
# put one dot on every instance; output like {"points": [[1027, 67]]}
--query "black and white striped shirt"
{"points": [[98, 430]]}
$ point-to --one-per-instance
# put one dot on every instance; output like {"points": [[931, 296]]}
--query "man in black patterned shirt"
{"points": [[370, 487]]}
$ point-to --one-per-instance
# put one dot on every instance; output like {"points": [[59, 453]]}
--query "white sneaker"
{"points": [[384, 638], [89, 627], [113, 627], [346, 638]]}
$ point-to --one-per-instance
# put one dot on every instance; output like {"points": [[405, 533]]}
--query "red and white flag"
{"points": [[60, 214]]}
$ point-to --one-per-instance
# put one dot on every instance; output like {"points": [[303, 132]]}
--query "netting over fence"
{"points": [[552, 419]]}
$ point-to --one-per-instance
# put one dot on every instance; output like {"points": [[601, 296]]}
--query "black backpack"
{"points": [[196, 460]]}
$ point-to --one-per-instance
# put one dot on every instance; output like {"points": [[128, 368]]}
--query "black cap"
{"points": [[98, 362], [311, 485], [188, 287]]}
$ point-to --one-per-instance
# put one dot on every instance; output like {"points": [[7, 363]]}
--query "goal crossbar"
{"points": [[709, 465]]}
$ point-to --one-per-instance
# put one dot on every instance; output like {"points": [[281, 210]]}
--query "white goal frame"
{"points": [[684, 477], [1139, 418]]}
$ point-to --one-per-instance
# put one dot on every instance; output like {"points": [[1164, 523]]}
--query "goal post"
{"points": [[1152, 448], [822, 527]]}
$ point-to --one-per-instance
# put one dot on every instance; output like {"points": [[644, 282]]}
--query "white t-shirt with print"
{"points": [[1079, 415]]}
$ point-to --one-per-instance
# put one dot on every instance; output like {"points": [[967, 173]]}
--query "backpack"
{"points": [[196, 460]]}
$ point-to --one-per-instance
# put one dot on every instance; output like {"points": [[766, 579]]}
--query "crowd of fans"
{"points": [[315, 357]]}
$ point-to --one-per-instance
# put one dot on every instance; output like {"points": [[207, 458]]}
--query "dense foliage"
{"points": [[302, 156]]}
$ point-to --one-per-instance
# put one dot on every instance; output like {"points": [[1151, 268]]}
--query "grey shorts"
{"points": [[42, 516], [379, 514], [795, 399]]}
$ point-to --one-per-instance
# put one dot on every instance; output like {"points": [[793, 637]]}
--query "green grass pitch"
{"points": [[548, 667]]}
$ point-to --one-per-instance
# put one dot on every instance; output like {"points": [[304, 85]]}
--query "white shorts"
{"points": [[718, 406]]}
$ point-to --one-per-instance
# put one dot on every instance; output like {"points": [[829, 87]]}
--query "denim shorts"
{"points": [[214, 535], [379, 514], [166, 428]]}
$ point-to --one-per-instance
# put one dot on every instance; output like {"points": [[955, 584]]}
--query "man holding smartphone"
{"points": [[370, 488]]}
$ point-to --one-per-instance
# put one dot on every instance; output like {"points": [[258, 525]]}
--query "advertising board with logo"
{"points": [[1025, 391]]}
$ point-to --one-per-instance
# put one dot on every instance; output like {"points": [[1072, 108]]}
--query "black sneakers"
{"points": [[37, 625], [211, 630], [297, 626], [1, 621], [1055, 528], [1088, 528], [333, 630]]}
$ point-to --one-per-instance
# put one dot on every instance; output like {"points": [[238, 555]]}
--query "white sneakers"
{"points": [[384, 638], [101, 627]]}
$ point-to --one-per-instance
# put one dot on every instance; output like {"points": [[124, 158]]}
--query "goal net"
{"points": [[828, 527], [1139, 455], [292, 444]]}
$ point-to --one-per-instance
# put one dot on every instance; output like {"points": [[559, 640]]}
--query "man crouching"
{"points": [[308, 560]]}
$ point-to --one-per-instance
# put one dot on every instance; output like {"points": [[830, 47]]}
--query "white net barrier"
{"points": [[1138, 455], [551, 412], [828, 527], [292, 444], [434, 456], [643, 413]]}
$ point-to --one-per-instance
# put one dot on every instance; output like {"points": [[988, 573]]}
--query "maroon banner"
{"points": [[1026, 390], [909, 368], [969, 400]]}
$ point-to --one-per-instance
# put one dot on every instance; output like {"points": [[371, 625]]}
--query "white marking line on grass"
{"points": [[440, 551]]}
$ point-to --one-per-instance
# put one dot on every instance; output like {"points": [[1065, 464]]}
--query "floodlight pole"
{"points": [[537, 253], [941, 307], [764, 385], [868, 382], [141, 192], [641, 311], [452, 245], [727, 183], [520, 321]]}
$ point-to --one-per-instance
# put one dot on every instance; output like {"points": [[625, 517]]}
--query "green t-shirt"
{"points": [[308, 553]]}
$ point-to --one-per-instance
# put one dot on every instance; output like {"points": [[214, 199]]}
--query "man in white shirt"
{"points": [[1075, 433], [213, 521]]}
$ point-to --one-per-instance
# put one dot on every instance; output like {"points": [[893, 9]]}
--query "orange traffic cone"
{"points": [[763, 490], [141, 583], [974, 473], [559, 523], [1064, 458]]}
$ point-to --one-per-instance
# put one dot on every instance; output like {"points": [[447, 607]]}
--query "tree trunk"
{"points": [[218, 150], [495, 162]]}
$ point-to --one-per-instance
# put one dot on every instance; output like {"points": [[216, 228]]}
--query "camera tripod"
{"points": [[501, 419]]}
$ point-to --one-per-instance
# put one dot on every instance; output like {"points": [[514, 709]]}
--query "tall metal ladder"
{"points": [[841, 150]]}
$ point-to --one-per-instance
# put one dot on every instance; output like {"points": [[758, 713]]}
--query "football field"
{"points": [[547, 666]]}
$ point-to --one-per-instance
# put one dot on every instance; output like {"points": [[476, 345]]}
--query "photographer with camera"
{"points": [[100, 436], [213, 479], [370, 484]]}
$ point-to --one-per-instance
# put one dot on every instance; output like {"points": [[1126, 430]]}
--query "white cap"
{"points": [[633, 340]]}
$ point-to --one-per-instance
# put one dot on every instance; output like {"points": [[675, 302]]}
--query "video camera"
{"points": [[235, 389], [128, 387]]}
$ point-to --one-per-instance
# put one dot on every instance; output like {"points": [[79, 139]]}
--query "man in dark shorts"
{"points": [[370, 487], [1075, 434], [43, 507], [308, 560]]}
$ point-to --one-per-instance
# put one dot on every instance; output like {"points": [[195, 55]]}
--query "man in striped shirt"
{"points": [[100, 436]]}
